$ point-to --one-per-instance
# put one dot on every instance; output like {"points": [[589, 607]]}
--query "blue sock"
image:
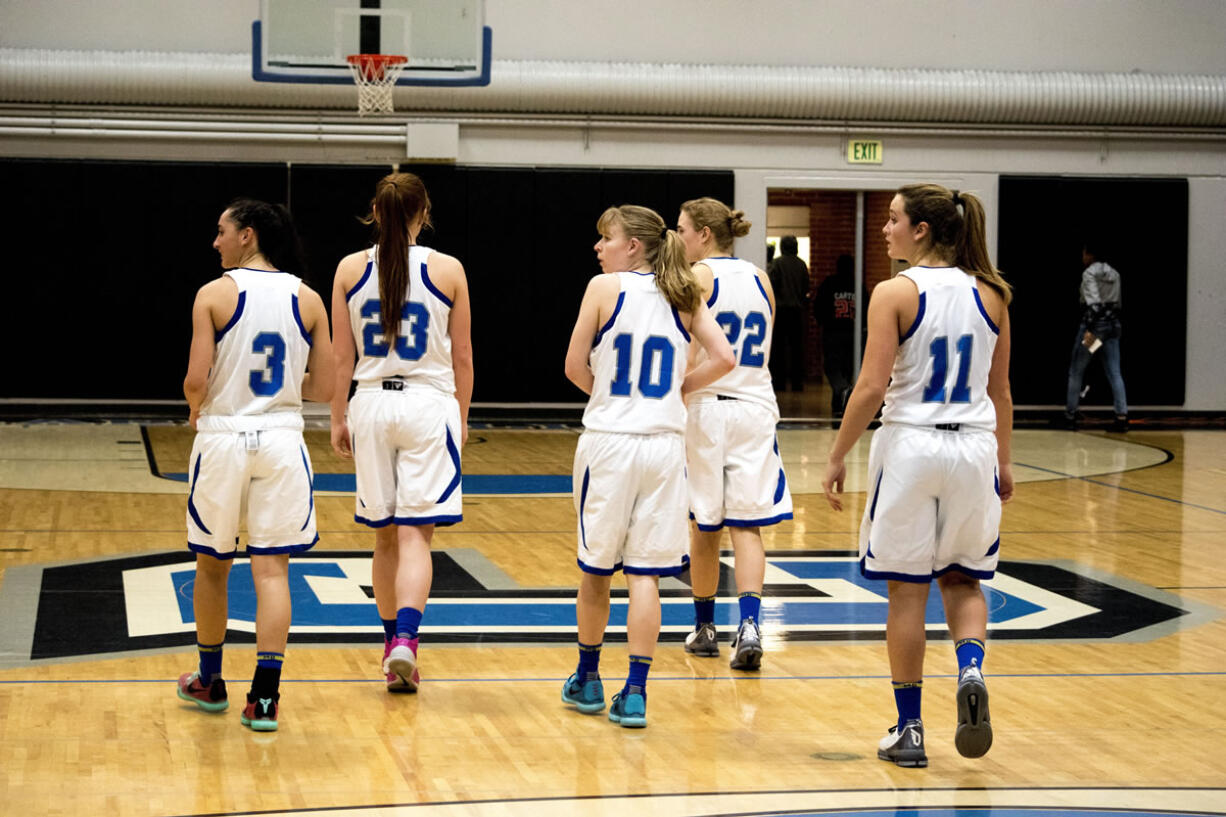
{"points": [[636, 681], [704, 610], [970, 651], [408, 619], [589, 662], [267, 679], [389, 628], [751, 606], [210, 662], [907, 696]]}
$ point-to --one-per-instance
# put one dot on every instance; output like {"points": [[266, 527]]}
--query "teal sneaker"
{"points": [[260, 714], [630, 711], [586, 696]]}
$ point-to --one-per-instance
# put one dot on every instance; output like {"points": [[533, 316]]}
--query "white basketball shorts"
{"points": [[630, 499], [406, 452], [933, 504], [264, 476], [734, 471]]}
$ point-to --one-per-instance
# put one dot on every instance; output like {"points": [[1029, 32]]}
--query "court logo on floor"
{"points": [[145, 602]]}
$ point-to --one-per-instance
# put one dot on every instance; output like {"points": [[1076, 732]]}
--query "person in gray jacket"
{"points": [[1100, 330]]}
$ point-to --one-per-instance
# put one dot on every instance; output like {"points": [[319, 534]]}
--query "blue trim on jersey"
{"points": [[885, 575], [677, 320], [714, 294], [191, 505], [208, 551], [707, 528], [298, 319], [762, 289], [373, 523], [361, 281], [995, 547], [425, 279], [876, 493], [310, 489], [979, 303], [238, 313], [598, 571], [587, 476], [621, 298], [781, 487], [658, 571], [454, 453], [258, 551], [983, 575], [996, 482], [919, 316], [756, 523]]}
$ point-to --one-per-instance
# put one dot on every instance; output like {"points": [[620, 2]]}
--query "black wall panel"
{"points": [[1143, 226], [127, 244]]}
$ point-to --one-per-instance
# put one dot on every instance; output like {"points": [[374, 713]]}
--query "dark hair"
{"points": [[787, 245], [960, 237], [399, 199], [844, 265], [274, 232]]}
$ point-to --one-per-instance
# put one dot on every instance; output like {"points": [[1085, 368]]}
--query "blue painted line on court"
{"points": [[654, 678], [1093, 481], [473, 484]]}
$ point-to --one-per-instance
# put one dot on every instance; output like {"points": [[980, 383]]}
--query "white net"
{"points": [[375, 75]]}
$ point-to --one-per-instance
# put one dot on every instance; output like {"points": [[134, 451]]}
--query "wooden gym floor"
{"points": [[1106, 664]]}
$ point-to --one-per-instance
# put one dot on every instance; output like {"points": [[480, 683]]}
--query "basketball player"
{"points": [[735, 474], [401, 310], [628, 351], [256, 331], [939, 466]]}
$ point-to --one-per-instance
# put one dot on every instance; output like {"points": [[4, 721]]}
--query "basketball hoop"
{"points": [[375, 75]]}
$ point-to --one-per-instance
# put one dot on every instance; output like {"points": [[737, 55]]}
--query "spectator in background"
{"points": [[1101, 307], [834, 307], [789, 278]]}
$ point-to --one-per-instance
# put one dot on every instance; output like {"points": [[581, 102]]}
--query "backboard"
{"points": [[307, 41]]}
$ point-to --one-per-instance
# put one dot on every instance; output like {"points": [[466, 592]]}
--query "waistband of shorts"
{"points": [[394, 384], [213, 423], [964, 428], [634, 434]]}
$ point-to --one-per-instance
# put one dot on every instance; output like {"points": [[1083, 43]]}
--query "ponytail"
{"points": [[399, 199], [274, 231], [663, 250], [961, 237]]}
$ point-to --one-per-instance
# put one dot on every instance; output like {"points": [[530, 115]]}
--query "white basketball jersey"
{"points": [[941, 372], [740, 306], [261, 353], [638, 360], [421, 351]]}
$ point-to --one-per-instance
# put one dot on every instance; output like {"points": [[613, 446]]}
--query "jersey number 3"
{"points": [[935, 391]]}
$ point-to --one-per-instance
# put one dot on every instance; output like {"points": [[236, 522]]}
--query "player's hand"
{"points": [[193, 417], [832, 483], [1005, 478], [340, 440], [464, 436]]}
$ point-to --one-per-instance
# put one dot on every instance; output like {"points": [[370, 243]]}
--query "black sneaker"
{"points": [[1120, 424], [904, 746], [973, 736], [261, 713]]}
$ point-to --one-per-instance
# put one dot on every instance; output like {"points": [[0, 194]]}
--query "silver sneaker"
{"points": [[747, 646], [703, 642], [973, 737], [904, 746]]}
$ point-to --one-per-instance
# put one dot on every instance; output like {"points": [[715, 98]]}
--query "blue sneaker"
{"points": [[630, 711], [586, 696]]}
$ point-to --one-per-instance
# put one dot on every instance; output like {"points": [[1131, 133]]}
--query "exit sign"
{"points": [[864, 152]]}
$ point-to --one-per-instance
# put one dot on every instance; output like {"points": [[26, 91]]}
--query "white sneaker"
{"points": [[973, 737], [904, 746]]}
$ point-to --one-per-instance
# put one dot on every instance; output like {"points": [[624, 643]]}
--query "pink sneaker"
{"points": [[400, 665], [211, 698]]}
